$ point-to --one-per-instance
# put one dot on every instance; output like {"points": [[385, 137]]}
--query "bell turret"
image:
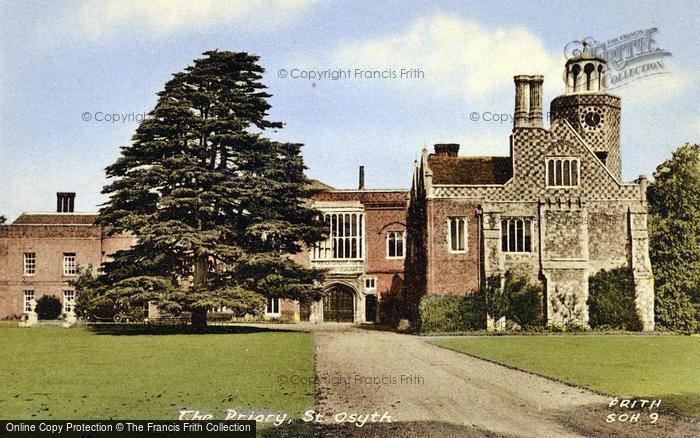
{"points": [[585, 72], [589, 108]]}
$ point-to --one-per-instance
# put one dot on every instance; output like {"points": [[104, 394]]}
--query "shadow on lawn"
{"points": [[377, 328], [395, 429], [595, 420], [173, 329]]}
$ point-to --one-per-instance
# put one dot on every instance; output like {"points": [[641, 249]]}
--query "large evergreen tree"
{"points": [[217, 207], [674, 207]]}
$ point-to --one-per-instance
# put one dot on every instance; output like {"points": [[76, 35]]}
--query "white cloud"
{"points": [[164, 17], [458, 56], [657, 88]]}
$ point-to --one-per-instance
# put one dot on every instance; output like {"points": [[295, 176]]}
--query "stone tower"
{"points": [[594, 113]]}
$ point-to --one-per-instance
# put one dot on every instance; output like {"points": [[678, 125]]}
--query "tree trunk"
{"points": [[199, 316], [201, 271]]}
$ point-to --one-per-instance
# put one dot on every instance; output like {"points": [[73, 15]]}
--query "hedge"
{"points": [[611, 298], [452, 313]]}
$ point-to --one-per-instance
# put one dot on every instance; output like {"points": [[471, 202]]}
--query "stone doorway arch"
{"points": [[339, 303]]}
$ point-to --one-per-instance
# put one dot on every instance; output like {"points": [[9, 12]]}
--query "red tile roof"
{"points": [[364, 196], [470, 170]]}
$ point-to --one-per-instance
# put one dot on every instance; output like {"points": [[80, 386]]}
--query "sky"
{"points": [[66, 67]]}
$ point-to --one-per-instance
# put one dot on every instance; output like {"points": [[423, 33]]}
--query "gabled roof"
{"points": [[56, 219], [470, 170]]}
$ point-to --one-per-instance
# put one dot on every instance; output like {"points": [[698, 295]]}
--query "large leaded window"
{"points": [[344, 237], [562, 172], [516, 235]]}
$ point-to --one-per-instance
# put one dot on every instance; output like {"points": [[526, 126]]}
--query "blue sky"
{"points": [[59, 60]]}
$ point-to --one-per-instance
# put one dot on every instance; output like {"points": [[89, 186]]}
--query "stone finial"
{"points": [[643, 184]]}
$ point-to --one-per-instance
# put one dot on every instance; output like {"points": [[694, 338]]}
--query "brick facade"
{"points": [[383, 213], [67, 233]]}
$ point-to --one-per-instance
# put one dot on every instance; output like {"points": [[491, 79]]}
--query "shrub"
{"points": [[219, 316], [452, 313], [525, 300], [519, 301], [611, 300], [389, 309], [567, 327], [404, 325], [48, 307], [89, 303], [567, 308]]}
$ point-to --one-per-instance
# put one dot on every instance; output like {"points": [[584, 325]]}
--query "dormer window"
{"points": [[562, 172]]}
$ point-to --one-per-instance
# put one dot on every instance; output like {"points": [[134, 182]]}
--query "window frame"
{"points": [[345, 236], [28, 261], [267, 306], [396, 247], [465, 238], [70, 270], [528, 223], [373, 280], [68, 303], [553, 173], [27, 303]]}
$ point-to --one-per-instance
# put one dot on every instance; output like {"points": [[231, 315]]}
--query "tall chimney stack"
{"points": [[522, 102], [536, 101], [65, 202], [447, 149], [361, 185]]}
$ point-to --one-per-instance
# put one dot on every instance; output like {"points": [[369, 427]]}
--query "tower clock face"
{"points": [[592, 118]]}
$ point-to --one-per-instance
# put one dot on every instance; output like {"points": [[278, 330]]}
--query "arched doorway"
{"points": [[339, 304], [370, 308], [304, 311]]}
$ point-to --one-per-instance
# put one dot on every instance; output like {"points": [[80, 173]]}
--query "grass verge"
{"points": [[661, 367], [76, 373]]}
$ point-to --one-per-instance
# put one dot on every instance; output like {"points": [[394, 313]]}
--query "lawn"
{"points": [[663, 367], [57, 373]]}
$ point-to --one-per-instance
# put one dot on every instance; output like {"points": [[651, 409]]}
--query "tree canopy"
{"points": [[216, 206], [674, 207]]}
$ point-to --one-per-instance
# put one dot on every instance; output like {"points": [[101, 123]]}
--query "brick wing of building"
{"points": [[40, 253], [555, 209], [363, 255]]}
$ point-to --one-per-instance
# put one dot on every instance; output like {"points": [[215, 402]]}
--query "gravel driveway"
{"points": [[431, 391]]}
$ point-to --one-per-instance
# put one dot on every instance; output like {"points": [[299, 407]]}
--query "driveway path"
{"points": [[432, 391]]}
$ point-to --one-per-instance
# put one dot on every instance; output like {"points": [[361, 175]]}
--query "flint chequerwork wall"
{"points": [[554, 209]]}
